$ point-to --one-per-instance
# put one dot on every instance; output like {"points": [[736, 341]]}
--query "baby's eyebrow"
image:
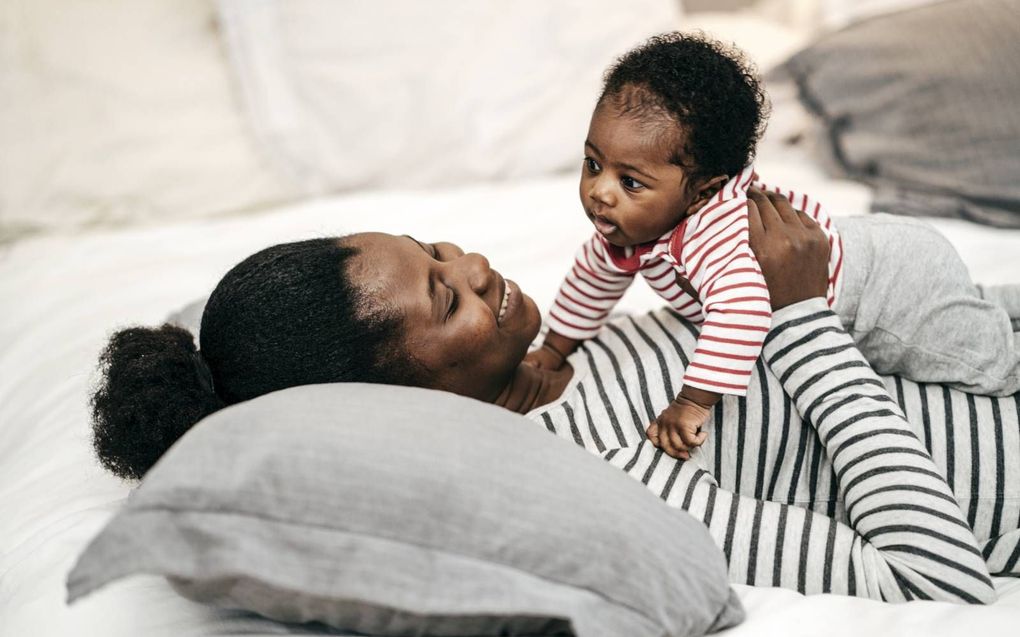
{"points": [[638, 171], [630, 167]]}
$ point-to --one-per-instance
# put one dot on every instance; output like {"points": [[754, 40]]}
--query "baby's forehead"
{"points": [[653, 134]]}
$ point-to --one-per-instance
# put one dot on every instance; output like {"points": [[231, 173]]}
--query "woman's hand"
{"points": [[791, 249]]}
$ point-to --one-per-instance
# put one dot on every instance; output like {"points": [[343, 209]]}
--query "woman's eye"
{"points": [[591, 165], [631, 184], [445, 251], [453, 303]]}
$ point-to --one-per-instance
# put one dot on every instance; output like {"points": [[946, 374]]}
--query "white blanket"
{"points": [[62, 296]]}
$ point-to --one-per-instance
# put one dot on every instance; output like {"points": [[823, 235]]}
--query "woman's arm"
{"points": [[907, 538], [911, 540]]}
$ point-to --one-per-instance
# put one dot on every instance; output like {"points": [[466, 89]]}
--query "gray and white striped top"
{"points": [[814, 481]]}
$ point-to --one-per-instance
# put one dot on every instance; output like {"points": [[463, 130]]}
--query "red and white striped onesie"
{"points": [[710, 249]]}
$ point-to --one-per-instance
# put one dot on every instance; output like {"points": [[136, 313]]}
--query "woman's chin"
{"points": [[534, 317]]}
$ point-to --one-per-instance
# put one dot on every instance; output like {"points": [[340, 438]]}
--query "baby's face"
{"points": [[629, 189]]}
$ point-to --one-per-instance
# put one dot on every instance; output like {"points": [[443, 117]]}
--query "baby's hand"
{"points": [[678, 428], [544, 358]]}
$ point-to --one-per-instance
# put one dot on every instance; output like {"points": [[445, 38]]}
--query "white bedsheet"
{"points": [[61, 296]]}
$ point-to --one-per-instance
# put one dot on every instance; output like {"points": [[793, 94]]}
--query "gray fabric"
{"points": [[404, 511], [1005, 296], [190, 316], [922, 105], [909, 303]]}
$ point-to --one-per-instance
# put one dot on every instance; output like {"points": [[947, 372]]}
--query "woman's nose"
{"points": [[479, 273]]}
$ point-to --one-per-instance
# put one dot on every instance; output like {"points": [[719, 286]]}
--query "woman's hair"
{"points": [[711, 91], [286, 316]]}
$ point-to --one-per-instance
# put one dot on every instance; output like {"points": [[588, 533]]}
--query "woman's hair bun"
{"points": [[154, 386]]}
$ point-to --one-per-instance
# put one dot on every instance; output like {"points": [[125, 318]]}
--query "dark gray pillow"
{"points": [[400, 511], [923, 105]]}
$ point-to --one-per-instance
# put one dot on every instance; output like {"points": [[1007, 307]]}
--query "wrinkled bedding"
{"points": [[62, 295]]}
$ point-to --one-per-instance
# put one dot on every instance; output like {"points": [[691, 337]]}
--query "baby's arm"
{"points": [[732, 290], [588, 293], [735, 302], [553, 352]]}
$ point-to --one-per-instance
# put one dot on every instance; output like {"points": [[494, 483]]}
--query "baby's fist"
{"points": [[678, 428], [544, 358]]}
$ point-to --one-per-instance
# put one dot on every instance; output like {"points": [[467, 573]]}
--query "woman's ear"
{"points": [[705, 191]]}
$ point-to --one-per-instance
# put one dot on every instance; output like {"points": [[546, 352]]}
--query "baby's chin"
{"points": [[619, 240], [620, 243]]}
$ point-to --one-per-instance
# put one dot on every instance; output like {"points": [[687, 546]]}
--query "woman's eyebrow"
{"points": [[420, 244], [432, 285]]}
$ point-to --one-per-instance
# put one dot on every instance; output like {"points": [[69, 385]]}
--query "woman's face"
{"points": [[463, 321]]}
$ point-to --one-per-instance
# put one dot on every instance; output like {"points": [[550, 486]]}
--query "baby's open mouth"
{"points": [[604, 227]]}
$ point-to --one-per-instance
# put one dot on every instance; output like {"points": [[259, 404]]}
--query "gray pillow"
{"points": [[400, 511], [922, 105]]}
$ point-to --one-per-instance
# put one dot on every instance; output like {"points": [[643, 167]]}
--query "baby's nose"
{"points": [[602, 192]]}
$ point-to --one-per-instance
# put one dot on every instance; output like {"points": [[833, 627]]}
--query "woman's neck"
{"points": [[530, 387]]}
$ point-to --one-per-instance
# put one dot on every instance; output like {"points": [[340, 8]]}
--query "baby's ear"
{"points": [[705, 191]]}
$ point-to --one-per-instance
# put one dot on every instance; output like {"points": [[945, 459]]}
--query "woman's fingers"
{"points": [[766, 211], [806, 219], [783, 206], [754, 220]]}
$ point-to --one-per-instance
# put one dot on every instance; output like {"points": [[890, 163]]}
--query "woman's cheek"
{"points": [[479, 329]]}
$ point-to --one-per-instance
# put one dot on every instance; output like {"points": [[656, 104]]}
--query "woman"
{"points": [[818, 429]]}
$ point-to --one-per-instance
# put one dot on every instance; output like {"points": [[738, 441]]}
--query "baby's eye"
{"points": [[631, 184], [591, 165]]}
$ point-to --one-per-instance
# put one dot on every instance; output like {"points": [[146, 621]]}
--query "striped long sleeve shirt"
{"points": [[711, 250], [815, 481]]}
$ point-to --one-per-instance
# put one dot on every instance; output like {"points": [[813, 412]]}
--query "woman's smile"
{"points": [[462, 320], [510, 302]]}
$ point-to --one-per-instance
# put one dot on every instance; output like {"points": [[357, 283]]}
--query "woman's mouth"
{"points": [[510, 302]]}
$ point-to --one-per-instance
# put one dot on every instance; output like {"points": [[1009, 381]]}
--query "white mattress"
{"points": [[62, 296]]}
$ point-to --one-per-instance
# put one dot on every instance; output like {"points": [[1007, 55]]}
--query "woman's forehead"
{"points": [[393, 269], [380, 257]]}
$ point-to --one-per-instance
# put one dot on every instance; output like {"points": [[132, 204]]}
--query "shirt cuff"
{"points": [[798, 310]]}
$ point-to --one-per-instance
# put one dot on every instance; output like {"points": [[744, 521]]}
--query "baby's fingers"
{"points": [[653, 433], [699, 439], [674, 445], [693, 437]]}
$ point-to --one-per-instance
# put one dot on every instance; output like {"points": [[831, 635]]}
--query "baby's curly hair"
{"points": [[710, 90]]}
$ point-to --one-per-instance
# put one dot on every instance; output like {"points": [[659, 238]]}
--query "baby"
{"points": [[664, 181]]}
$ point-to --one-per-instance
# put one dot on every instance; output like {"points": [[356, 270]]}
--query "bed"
{"points": [[63, 292]]}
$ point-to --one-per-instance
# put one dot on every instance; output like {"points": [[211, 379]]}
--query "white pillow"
{"points": [[120, 110], [840, 13], [409, 94]]}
